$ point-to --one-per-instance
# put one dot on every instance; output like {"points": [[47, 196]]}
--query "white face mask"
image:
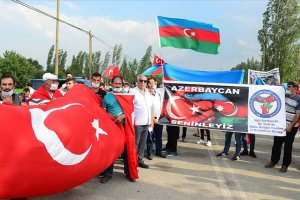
{"points": [[154, 86], [7, 94], [95, 85], [117, 89], [288, 92], [53, 86], [126, 89]]}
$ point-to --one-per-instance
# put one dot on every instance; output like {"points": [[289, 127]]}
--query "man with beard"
{"points": [[8, 97]]}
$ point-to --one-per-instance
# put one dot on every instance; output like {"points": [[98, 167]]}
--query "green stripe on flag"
{"points": [[189, 43]]}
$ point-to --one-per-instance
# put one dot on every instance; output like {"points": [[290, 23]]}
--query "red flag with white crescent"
{"points": [[126, 103], [50, 148], [112, 71], [158, 61]]}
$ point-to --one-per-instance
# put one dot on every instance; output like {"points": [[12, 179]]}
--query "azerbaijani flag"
{"points": [[186, 34]]}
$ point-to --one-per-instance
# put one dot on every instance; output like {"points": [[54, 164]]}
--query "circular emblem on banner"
{"points": [[265, 103]]}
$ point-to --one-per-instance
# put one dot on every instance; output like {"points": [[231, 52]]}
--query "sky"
{"points": [[132, 24]]}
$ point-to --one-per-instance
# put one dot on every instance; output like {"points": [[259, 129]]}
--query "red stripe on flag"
{"points": [[157, 72], [196, 34]]}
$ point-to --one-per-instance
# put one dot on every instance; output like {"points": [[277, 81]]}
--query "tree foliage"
{"points": [[18, 66], [279, 38], [249, 64]]}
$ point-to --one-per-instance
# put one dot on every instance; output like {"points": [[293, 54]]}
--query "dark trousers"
{"points": [[252, 142], [288, 147], [207, 133], [173, 133], [184, 132], [155, 137], [110, 169]]}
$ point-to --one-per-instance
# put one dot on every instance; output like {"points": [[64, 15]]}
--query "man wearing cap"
{"points": [[47, 92], [292, 106]]}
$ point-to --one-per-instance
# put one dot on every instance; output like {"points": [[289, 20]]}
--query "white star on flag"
{"points": [[99, 130], [220, 108], [194, 109]]}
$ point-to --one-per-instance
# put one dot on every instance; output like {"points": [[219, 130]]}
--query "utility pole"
{"points": [[57, 38], [90, 54]]}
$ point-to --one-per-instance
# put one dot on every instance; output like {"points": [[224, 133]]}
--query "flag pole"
{"points": [[159, 46]]}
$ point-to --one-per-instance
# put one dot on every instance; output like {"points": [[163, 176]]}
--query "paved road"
{"points": [[196, 173]]}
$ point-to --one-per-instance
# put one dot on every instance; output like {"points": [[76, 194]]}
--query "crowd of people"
{"points": [[147, 108]]}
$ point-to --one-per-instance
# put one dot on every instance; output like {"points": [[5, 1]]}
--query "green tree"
{"points": [[279, 37], [105, 63], [38, 69], [249, 64], [145, 61], [49, 59], [18, 66], [116, 57]]}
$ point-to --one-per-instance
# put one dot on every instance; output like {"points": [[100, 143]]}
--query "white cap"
{"points": [[49, 76]]}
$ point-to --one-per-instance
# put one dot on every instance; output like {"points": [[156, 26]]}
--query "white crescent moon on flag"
{"points": [[188, 32], [169, 109], [234, 111], [110, 72], [50, 139], [157, 60]]}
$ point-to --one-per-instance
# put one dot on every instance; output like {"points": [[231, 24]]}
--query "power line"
{"points": [[67, 23]]}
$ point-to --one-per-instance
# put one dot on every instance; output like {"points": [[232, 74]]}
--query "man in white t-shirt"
{"points": [[143, 116]]}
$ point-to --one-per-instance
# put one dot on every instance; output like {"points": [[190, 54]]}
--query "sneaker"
{"points": [[130, 179], [244, 153], [208, 143], [105, 179], [161, 155], [235, 158], [200, 142], [150, 157], [283, 169], [252, 154], [171, 153], [143, 165], [222, 154], [270, 165]]}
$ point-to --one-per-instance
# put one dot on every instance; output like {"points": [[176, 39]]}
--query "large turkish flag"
{"points": [[50, 148]]}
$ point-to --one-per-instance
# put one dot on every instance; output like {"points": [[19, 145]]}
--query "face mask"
{"points": [[117, 89], [288, 92], [126, 89], [7, 94], [26, 98], [154, 86], [95, 85], [53, 86]]}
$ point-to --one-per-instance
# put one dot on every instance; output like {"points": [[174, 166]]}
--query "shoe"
{"points": [[270, 165], [235, 158], [165, 150], [171, 153], [244, 153], [105, 179], [222, 154], [183, 140], [200, 141], [252, 154], [283, 169], [143, 165], [150, 157], [161, 155], [130, 179], [208, 143]]}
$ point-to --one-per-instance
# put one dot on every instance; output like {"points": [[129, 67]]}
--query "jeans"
{"points": [[110, 169], [158, 137], [238, 139], [141, 133], [150, 143], [252, 142], [288, 141]]}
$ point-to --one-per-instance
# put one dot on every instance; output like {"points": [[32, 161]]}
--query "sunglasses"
{"points": [[145, 81]]}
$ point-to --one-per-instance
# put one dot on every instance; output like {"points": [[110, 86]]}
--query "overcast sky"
{"points": [[133, 24]]}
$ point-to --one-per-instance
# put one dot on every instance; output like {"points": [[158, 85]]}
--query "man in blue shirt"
{"points": [[111, 105]]}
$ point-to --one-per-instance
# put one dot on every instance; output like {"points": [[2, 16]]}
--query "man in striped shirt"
{"points": [[292, 106]]}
